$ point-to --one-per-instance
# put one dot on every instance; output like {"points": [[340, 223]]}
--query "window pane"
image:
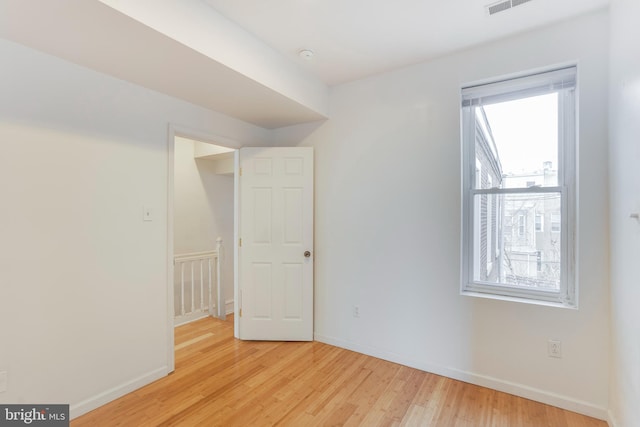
{"points": [[512, 245], [516, 143]]}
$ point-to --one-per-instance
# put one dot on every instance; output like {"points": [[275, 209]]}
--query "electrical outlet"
{"points": [[554, 349], [356, 311], [3, 381]]}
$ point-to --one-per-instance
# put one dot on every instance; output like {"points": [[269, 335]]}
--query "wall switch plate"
{"points": [[147, 213], [3, 381], [554, 349], [356, 311]]}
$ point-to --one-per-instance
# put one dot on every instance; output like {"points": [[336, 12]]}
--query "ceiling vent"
{"points": [[501, 6]]}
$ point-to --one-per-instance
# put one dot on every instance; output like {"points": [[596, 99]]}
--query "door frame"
{"points": [[210, 138], [237, 295]]}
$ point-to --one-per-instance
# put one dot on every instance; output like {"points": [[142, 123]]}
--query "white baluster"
{"points": [[210, 288], [193, 291], [201, 287], [182, 288]]}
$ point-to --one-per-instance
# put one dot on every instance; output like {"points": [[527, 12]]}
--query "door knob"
{"points": [[307, 254]]}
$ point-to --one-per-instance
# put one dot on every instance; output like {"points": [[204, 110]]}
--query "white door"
{"points": [[275, 245]]}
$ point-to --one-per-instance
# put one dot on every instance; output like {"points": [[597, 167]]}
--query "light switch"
{"points": [[147, 214]]}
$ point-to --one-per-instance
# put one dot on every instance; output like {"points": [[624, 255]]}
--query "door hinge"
{"points": [[240, 242], [241, 312], [240, 171]]}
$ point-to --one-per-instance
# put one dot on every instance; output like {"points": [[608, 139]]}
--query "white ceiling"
{"points": [[240, 57], [356, 38]]}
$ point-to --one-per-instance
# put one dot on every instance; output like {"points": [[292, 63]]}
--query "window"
{"points": [[555, 222], [522, 225], [539, 222], [518, 147]]}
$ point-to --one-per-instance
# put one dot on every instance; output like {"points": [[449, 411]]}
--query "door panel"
{"points": [[275, 278]]}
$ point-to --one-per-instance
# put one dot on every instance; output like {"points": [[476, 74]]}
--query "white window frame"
{"points": [[564, 82]]}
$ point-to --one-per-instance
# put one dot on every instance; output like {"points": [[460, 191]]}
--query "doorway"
{"points": [[274, 269], [200, 205]]}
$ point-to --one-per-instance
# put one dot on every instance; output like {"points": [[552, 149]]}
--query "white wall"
{"points": [[625, 199], [202, 209], [83, 280], [388, 226]]}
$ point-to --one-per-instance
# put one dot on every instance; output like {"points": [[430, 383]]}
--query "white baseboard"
{"points": [[543, 396], [611, 419], [228, 306], [81, 408]]}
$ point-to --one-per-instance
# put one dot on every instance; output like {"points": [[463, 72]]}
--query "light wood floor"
{"points": [[220, 381]]}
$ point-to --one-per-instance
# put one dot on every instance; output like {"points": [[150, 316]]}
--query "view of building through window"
{"points": [[517, 234]]}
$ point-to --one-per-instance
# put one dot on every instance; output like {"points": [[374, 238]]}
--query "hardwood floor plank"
{"points": [[221, 381]]}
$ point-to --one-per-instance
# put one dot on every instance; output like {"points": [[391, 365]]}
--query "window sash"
{"points": [[520, 225]]}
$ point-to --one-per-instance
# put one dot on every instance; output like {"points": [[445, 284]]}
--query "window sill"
{"points": [[519, 300]]}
